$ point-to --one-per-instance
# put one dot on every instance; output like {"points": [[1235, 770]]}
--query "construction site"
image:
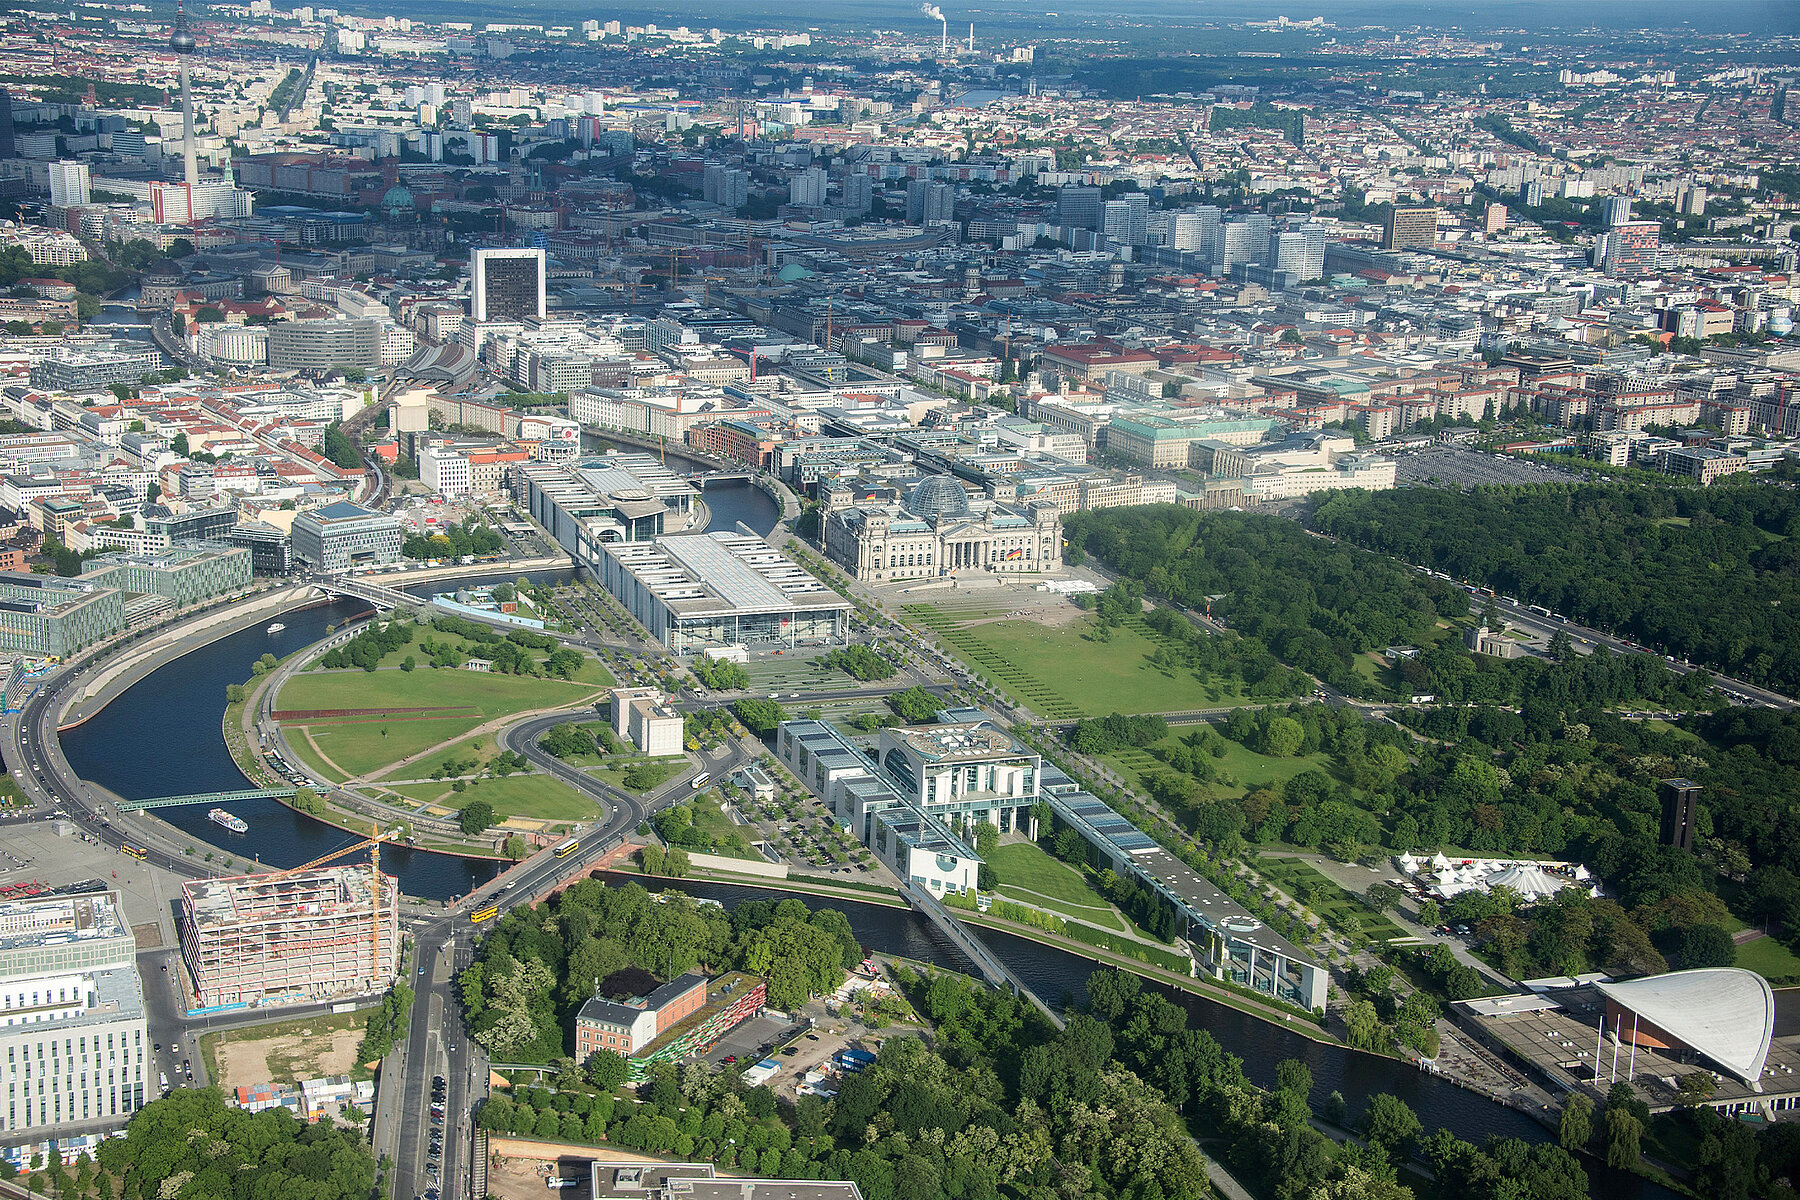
{"points": [[308, 933]]}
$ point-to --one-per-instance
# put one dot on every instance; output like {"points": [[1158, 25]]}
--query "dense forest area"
{"points": [[1312, 604], [1000, 1105], [1574, 782], [1711, 575], [193, 1146], [540, 963]]}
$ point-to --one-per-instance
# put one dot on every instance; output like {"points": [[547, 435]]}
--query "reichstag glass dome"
{"points": [[937, 496]]}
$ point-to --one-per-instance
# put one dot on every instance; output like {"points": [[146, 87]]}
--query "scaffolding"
{"points": [[304, 933]]}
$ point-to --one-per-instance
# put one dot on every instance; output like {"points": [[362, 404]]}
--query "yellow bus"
{"points": [[135, 852], [484, 914], [565, 847]]}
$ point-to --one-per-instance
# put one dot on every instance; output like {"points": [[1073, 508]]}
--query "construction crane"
{"points": [[373, 845]]}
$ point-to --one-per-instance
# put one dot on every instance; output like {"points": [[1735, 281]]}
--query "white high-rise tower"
{"points": [[181, 41]]}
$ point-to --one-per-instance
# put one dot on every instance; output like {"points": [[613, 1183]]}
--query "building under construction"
{"points": [[291, 936]]}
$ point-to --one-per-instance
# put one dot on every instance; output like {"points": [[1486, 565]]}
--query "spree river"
{"points": [[162, 737]]}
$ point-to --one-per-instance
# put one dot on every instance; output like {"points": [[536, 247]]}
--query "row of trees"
{"points": [[721, 674], [471, 539], [860, 662]]}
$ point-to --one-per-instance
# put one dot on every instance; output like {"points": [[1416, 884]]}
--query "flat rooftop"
{"points": [[46, 920], [672, 1181], [1557, 1033], [718, 574], [953, 742], [308, 894]]}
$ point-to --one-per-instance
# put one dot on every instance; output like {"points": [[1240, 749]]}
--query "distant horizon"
{"points": [[1072, 16]]}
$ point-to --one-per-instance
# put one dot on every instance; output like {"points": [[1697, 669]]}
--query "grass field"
{"points": [[1250, 769], [1064, 672], [591, 670], [1770, 959], [1034, 877], [361, 745], [537, 796], [666, 769], [1292, 875]]}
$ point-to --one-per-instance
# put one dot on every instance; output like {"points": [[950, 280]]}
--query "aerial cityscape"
{"points": [[900, 602]]}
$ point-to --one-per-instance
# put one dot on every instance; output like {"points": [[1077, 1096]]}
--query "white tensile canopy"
{"points": [[1531, 882]]}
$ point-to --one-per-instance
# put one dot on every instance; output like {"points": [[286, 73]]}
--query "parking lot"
{"points": [[1458, 467]]}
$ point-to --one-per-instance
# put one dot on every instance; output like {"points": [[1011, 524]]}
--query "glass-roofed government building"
{"points": [[696, 590]]}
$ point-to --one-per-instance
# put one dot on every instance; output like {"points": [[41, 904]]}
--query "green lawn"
{"points": [[1293, 876], [665, 769], [364, 744], [481, 747], [516, 796], [489, 694], [1770, 959], [1065, 671], [1027, 873], [1250, 769]]}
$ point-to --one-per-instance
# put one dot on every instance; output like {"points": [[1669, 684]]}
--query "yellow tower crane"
{"points": [[373, 844]]}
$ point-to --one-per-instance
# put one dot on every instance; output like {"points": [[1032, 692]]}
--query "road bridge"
{"points": [[206, 798]]}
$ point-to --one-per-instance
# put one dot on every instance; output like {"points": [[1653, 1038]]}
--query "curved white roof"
{"points": [[1726, 1013]]}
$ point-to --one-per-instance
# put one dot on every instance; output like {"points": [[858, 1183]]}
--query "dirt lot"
{"points": [[287, 1056]]}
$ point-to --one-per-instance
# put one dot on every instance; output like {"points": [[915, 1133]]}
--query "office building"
{"points": [[1631, 249], [457, 467], [290, 937], [1618, 211], [615, 498], [807, 188], [859, 193], [697, 590], [695, 1181], [725, 186], [1127, 219], [1680, 797], [182, 574], [194, 525], [271, 549], [918, 844], [1226, 941], [341, 536], [70, 185], [73, 1023], [1078, 206], [507, 285], [7, 149], [1240, 241], [927, 202], [627, 1026], [49, 615], [336, 343], [95, 368], [1410, 227], [644, 717]]}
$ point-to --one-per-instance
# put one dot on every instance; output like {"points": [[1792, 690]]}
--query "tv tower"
{"points": [[181, 41]]}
